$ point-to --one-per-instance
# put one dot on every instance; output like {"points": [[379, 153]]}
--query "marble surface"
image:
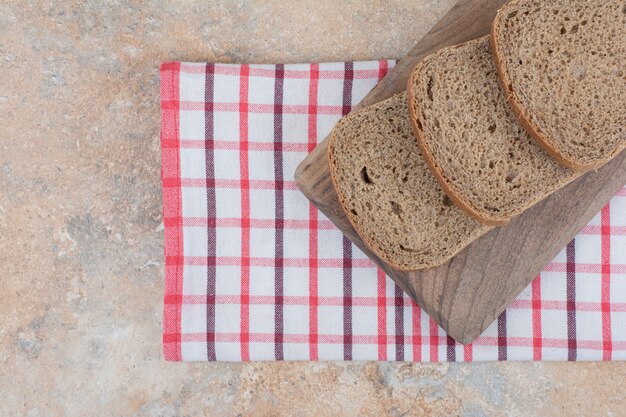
{"points": [[81, 236]]}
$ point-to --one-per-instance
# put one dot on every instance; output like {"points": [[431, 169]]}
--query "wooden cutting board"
{"points": [[468, 293]]}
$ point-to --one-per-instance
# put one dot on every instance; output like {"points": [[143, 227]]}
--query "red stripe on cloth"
{"points": [[329, 301], [562, 305], [242, 183], [279, 205], [536, 318], [434, 341], [382, 303], [468, 353], [381, 291], [245, 213], [570, 291], [586, 268], [254, 223], [254, 337], [502, 337], [226, 145], [173, 104], [171, 182], [313, 222], [597, 230], [170, 67], [383, 67], [172, 207], [399, 322], [605, 220], [255, 108], [209, 159], [260, 261], [548, 342]]}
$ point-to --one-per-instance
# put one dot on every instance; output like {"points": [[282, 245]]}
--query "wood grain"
{"points": [[467, 294]]}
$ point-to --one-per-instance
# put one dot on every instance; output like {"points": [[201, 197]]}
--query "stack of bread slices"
{"points": [[485, 130]]}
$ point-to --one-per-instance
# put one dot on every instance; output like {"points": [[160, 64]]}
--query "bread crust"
{"points": [[520, 112], [428, 156]]}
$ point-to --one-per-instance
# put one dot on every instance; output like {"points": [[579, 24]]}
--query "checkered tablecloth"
{"points": [[255, 272]]}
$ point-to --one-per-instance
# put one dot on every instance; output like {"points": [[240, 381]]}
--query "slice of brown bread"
{"points": [[482, 156], [389, 194], [563, 65]]}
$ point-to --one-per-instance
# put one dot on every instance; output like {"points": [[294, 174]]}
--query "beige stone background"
{"points": [[81, 257]]}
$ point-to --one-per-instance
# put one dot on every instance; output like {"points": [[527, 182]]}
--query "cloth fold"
{"points": [[255, 272]]}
